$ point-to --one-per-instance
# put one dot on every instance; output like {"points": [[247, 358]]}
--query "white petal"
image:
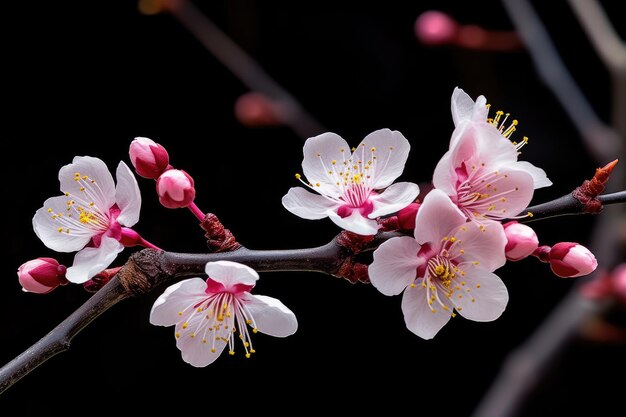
{"points": [[419, 317], [483, 243], [46, 225], [319, 152], [102, 188], [127, 196], [90, 261], [194, 351], [436, 218], [444, 177], [493, 148], [175, 300], [486, 299], [271, 316], [230, 273], [395, 265], [394, 198], [514, 192], [462, 106], [540, 178], [392, 151], [355, 223], [307, 205]]}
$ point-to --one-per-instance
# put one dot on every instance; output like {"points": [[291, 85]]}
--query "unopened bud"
{"points": [[41, 275], [435, 28], [406, 216], [175, 189], [521, 241], [148, 157], [569, 259]]}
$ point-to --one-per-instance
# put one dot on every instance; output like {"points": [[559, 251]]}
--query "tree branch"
{"points": [[149, 269]]}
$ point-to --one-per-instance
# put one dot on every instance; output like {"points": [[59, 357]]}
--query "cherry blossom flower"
{"points": [[208, 315], [348, 183], [480, 172], [90, 216], [446, 266]]}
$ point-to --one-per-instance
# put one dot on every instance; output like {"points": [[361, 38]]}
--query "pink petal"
{"points": [[540, 179], [392, 151], [436, 218], [395, 265], [176, 299], [419, 317], [127, 196], [483, 297], [510, 194], [89, 261], [307, 205], [271, 316], [230, 274], [394, 198], [480, 242]]}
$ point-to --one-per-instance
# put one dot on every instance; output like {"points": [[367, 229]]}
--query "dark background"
{"points": [[85, 78]]}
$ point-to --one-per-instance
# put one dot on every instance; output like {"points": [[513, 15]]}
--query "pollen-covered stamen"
{"points": [[500, 123], [353, 176]]}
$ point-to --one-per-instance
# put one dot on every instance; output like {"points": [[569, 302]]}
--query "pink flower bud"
{"points": [[175, 189], [569, 259], [521, 241], [148, 157], [406, 216], [41, 275], [619, 281]]}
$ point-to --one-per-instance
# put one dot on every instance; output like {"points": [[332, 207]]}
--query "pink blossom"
{"points": [[521, 242], [41, 275], [480, 172], [175, 189], [569, 259], [446, 266], [210, 315], [91, 217], [148, 157], [351, 184]]}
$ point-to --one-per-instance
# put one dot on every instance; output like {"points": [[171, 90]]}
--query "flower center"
{"points": [[82, 215], [442, 269], [350, 181], [217, 319]]}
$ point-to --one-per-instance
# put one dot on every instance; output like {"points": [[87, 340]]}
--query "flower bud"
{"points": [[148, 157], [41, 275], [175, 189], [435, 28], [406, 216], [521, 241], [569, 259]]}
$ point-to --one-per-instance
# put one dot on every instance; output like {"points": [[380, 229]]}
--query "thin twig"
{"points": [[244, 67]]}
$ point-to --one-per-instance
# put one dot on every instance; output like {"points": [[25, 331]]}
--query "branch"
{"points": [[150, 269]]}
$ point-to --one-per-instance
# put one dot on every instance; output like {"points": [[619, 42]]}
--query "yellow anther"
{"points": [[180, 313], [203, 340], [247, 355], [530, 214], [452, 239], [252, 351], [373, 149], [60, 229], [255, 330], [477, 285], [298, 176], [177, 335], [475, 263], [317, 184], [82, 188], [248, 321], [49, 210], [412, 285], [192, 335], [185, 325], [334, 162]]}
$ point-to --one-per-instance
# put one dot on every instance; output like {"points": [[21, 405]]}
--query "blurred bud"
{"points": [[569, 259], [175, 189], [406, 216], [148, 157], [521, 241], [41, 275], [435, 28], [256, 110], [619, 281]]}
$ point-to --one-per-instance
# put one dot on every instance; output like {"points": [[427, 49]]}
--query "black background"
{"points": [[85, 78]]}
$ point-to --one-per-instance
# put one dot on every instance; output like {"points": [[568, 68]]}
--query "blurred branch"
{"points": [[244, 67], [601, 140], [595, 22]]}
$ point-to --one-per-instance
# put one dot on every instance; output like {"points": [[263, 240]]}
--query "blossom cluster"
{"points": [[453, 237]]}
